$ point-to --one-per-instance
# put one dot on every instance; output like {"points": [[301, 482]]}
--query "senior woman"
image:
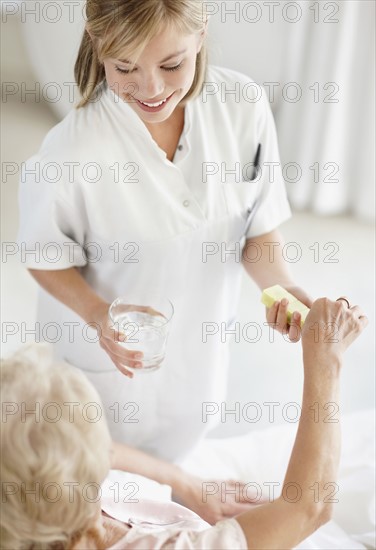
{"points": [[166, 177], [52, 464]]}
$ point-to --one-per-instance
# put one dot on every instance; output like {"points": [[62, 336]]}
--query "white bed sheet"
{"points": [[262, 456]]}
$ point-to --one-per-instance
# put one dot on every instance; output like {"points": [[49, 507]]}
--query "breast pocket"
{"points": [[241, 203], [241, 198]]}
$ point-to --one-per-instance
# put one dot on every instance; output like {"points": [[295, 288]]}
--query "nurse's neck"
{"points": [[167, 134]]}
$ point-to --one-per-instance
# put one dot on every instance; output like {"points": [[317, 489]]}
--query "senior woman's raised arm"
{"points": [[309, 487]]}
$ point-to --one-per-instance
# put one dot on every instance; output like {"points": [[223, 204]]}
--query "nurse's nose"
{"points": [[152, 86]]}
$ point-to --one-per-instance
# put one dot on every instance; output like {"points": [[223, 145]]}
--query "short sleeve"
{"points": [[51, 233], [272, 207]]}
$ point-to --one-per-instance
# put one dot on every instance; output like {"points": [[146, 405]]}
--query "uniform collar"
{"points": [[121, 108]]}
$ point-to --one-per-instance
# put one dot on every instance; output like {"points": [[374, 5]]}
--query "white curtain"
{"points": [[324, 51], [330, 136]]}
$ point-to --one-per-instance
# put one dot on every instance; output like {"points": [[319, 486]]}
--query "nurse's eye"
{"points": [[175, 68], [169, 69], [124, 71]]}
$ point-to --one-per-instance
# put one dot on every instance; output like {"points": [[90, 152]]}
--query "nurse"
{"points": [[162, 178]]}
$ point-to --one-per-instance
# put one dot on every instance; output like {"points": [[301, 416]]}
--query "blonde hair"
{"points": [[61, 452], [123, 27]]}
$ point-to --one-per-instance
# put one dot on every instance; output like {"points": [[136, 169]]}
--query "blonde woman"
{"points": [[161, 178], [54, 459]]}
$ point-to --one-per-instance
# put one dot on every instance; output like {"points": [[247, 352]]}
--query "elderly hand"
{"points": [[219, 499], [330, 328]]}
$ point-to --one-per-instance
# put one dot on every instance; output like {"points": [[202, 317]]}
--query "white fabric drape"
{"points": [[341, 133], [330, 42]]}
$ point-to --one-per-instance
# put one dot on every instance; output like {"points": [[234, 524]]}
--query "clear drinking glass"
{"points": [[145, 321]]}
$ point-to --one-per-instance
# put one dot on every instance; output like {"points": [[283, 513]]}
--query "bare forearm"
{"points": [[314, 461], [263, 260], [301, 509], [69, 287]]}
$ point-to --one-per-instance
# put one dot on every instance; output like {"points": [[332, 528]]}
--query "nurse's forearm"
{"points": [[263, 260], [69, 287]]}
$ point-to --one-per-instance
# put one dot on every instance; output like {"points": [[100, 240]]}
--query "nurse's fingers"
{"points": [[282, 315], [276, 315], [127, 362], [271, 313], [121, 356], [125, 355], [295, 330], [123, 370], [115, 343]]}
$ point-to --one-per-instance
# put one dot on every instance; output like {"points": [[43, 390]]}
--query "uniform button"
{"points": [[186, 203], [180, 147]]}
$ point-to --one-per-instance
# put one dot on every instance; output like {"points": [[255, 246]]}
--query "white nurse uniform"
{"points": [[100, 183]]}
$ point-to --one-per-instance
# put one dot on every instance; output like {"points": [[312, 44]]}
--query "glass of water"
{"points": [[145, 321]]}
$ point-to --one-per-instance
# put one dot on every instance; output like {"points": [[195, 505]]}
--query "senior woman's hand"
{"points": [[212, 500], [216, 500], [330, 328], [276, 315]]}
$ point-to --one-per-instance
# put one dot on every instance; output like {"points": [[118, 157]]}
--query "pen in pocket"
{"points": [[256, 162], [251, 211]]}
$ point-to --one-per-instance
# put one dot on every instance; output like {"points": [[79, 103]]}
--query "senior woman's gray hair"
{"points": [[55, 451]]}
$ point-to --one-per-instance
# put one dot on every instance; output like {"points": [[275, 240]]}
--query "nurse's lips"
{"points": [[155, 106]]}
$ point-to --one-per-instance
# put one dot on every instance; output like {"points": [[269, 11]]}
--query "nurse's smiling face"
{"points": [[160, 79]]}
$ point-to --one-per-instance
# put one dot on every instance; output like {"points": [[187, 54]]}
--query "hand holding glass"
{"points": [[144, 327]]}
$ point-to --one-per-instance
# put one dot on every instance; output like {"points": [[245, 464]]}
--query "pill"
{"points": [[276, 293]]}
